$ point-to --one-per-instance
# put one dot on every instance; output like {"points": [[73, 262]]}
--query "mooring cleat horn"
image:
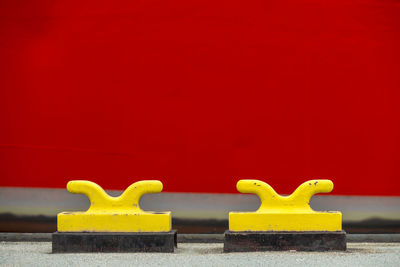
{"points": [[285, 213], [114, 214]]}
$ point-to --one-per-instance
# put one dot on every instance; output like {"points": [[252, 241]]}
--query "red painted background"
{"points": [[201, 93]]}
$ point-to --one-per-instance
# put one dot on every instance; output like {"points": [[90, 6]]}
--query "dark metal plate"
{"points": [[272, 241], [72, 242]]}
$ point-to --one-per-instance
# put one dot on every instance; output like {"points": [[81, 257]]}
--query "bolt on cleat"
{"points": [[285, 222], [114, 224]]}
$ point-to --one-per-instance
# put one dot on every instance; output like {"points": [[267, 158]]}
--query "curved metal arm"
{"points": [[101, 201], [97, 196], [306, 190], [296, 202], [263, 190], [135, 191]]}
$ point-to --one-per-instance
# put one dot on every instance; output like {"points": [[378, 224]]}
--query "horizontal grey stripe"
{"points": [[49, 202]]}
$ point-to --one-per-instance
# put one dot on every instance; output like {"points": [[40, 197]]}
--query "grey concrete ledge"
{"points": [[202, 238]]}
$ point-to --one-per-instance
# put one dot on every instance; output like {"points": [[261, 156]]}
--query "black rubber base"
{"points": [[272, 241], [67, 242]]}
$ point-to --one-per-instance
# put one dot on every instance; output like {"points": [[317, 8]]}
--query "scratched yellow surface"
{"points": [[114, 214], [285, 213]]}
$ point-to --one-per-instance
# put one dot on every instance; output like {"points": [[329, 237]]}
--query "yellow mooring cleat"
{"points": [[114, 214], [285, 213]]}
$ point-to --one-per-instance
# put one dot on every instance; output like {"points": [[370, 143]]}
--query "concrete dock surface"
{"points": [[201, 254]]}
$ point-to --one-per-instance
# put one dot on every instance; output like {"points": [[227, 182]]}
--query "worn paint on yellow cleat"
{"points": [[114, 214], [285, 213]]}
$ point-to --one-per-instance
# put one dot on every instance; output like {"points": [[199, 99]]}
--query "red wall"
{"points": [[200, 93]]}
